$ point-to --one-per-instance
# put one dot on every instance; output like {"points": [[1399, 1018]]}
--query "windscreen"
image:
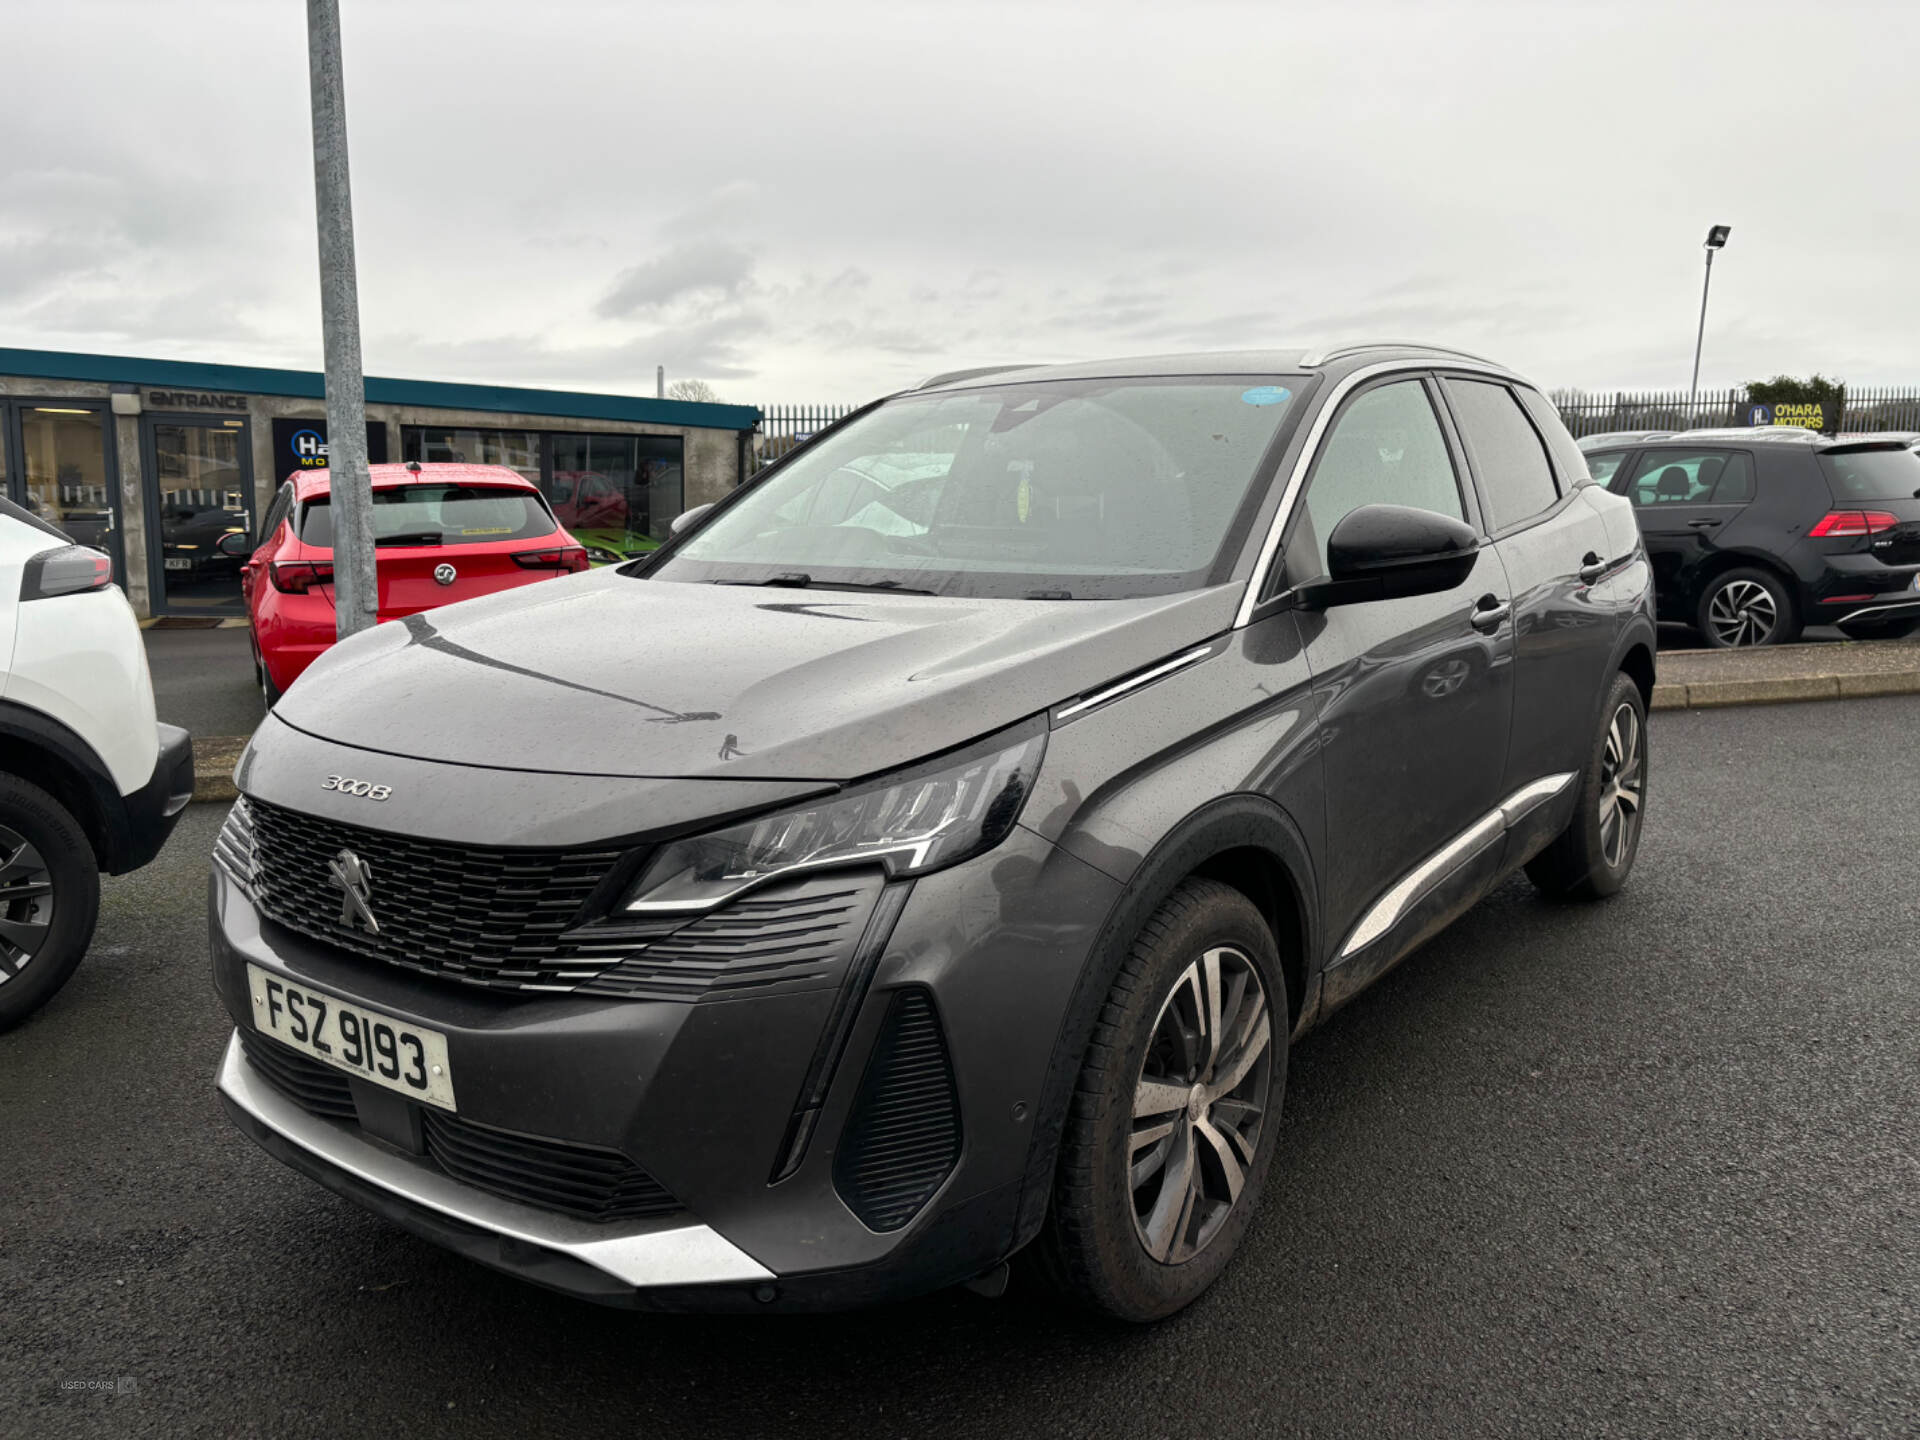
{"points": [[439, 515], [1085, 489], [1890, 474]]}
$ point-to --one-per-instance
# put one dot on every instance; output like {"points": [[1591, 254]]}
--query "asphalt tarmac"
{"points": [[1649, 1167]]}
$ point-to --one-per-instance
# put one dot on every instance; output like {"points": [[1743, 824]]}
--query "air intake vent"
{"points": [[903, 1137]]}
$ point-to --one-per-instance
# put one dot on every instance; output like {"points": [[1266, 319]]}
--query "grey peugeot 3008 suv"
{"points": [[934, 848]]}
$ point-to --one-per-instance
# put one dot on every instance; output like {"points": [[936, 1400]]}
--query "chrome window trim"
{"points": [[1385, 912], [1310, 450], [668, 1251], [1145, 677]]}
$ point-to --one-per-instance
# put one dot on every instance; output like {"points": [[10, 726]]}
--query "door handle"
{"points": [[1703, 524], [1592, 568], [1489, 613]]}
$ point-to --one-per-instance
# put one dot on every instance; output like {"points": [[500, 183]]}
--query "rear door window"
{"points": [[1691, 477], [1508, 456]]}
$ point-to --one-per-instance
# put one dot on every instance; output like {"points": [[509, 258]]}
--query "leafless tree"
{"points": [[693, 390]]}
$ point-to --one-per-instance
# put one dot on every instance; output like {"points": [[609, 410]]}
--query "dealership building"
{"points": [[152, 460]]}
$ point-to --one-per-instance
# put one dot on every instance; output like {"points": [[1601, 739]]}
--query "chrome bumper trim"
{"points": [[660, 1252]]}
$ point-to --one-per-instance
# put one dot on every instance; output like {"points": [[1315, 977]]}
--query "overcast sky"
{"points": [[823, 201]]}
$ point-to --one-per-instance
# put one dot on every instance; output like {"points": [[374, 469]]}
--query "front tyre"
{"points": [[1592, 857], [1175, 1115], [49, 898]]}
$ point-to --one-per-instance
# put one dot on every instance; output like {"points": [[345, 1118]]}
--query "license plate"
{"points": [[179, 564], [378, 1048]]}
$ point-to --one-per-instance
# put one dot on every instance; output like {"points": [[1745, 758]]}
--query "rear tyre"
{"points": [[49, 898], [1744, 608], [1593, 856], [1176, 1112]]}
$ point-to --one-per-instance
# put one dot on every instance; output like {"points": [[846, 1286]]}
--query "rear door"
{"points": [[1546, 537], [1684, 498]]}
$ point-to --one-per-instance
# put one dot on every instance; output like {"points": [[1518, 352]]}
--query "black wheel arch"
{"points": [[43, 752], [1242, 840], [1725, 560]]}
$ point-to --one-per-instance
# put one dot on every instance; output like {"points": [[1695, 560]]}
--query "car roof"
{"points": [[308, 483], [1310, 359], [1787, 435]]}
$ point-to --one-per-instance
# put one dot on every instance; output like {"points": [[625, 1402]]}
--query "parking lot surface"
{"points": [[1647, 1167]]}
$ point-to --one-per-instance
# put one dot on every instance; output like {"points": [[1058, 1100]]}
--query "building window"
{"points": [[616, 493], [515, 449]]}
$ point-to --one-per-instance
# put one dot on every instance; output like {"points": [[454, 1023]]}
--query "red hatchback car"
{"points": [[443, 533]]}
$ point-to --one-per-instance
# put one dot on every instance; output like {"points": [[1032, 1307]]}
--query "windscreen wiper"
{"points": [[800, 580], [418, 537]]}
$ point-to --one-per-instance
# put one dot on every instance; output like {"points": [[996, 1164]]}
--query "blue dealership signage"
{"points": [[302, 445]]}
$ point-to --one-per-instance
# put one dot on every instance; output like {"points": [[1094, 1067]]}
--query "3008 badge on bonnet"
{"points": [[364, 789]]}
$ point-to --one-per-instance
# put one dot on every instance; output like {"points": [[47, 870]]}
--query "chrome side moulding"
{"points": [[1133, 682], [1387, 910], [663, 1252]]}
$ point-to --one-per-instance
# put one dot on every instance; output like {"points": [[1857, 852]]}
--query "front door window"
{"points": [[202, 482]]}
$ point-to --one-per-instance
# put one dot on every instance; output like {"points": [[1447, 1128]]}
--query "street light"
{"points": [[1716, 238]]}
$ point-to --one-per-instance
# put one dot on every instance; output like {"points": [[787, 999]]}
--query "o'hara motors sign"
{"points": [[1791, 415], [194, 400]]}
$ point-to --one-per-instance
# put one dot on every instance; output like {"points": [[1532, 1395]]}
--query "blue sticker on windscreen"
{"points": [[1265, 395]]}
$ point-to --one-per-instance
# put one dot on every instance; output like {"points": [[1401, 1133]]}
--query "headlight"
{"points": [[910, 822]]}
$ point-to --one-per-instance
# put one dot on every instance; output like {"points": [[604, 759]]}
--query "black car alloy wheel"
{"points": [[1199, 1104], [26, 902], [1621, 776]]}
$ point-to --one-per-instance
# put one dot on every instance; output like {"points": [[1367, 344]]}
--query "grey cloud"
{"points": [[686, 269]]}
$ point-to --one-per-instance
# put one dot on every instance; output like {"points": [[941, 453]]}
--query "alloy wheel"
{"points": [[26, 902], [1199, 1104], [1743, 612], [1622, 781]]}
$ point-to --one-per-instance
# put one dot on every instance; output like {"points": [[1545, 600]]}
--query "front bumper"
{"points": [[722, 1101], [152, 810]]}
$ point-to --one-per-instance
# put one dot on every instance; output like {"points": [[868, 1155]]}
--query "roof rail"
{"points": [[1317, 358], [949, 377]]}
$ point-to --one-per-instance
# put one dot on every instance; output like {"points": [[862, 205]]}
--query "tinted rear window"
{"points": [[1872, 474], [440, 515]]}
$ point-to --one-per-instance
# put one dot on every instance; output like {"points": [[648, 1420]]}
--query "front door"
{"points": [[199, 487], [1416, 692]]}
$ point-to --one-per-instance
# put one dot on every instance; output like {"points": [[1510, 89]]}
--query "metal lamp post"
{"points": [[1716, 239], [356, 586]]}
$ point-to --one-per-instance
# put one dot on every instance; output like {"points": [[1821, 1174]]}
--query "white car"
{"points": [[90, 781]]}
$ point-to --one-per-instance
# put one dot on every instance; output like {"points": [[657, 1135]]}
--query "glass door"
{"points": [[66, 472], [199, 487]]}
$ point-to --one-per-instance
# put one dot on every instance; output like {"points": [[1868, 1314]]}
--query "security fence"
{"points": [[1866, 408], [1586, 413]]}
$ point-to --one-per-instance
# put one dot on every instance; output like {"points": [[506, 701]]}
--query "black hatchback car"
{"points": [[935, 847], [1756, 533]]}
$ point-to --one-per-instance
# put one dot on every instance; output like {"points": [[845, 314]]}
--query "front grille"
{"points": [[319, 1089], [903, 1135], [579, 1180], [512, 919], [584, 1181]]}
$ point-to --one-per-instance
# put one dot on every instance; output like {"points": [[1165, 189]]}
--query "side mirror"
{"points": [[687, 517], [237, 543], [1383, 552]]}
